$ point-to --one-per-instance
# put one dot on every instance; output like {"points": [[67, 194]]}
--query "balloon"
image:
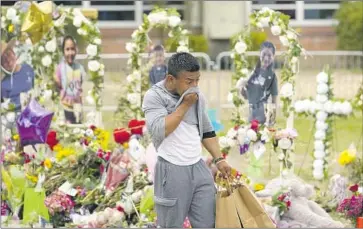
{"points": [[33, 124], [38, 20]]}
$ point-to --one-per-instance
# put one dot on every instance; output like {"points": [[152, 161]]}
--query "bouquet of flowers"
{"points": [[59, 206], [246, 137], [282, 201], [283, 141], [352, 163], [352, 207]]}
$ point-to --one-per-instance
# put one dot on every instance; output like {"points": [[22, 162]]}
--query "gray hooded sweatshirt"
{"points": [[159, 102]]}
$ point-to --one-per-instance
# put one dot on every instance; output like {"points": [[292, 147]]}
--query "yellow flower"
{"points": [[64, 153], [16, 137], [126, 145], [48, 163], [11, 28], [57, 148], [33, 179], [259, 187], [346, 157]]}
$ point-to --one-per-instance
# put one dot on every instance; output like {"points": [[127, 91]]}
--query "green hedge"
{"points": [[350, 28], [197, 43]]}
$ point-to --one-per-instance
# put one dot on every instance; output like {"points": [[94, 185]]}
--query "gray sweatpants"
{"points": [[182, 191]]}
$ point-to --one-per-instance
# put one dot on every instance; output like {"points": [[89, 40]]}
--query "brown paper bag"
{"points": [[226, 212], [250, 209]]}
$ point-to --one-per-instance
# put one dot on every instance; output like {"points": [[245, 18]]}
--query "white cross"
{"points": [[324, 109]]}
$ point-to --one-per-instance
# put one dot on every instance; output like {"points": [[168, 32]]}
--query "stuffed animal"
{"points": [[302, 212]]}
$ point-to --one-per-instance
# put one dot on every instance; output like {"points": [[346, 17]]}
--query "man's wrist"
{"points": [[217, 160]]}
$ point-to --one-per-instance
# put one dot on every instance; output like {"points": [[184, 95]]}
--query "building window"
{"points": [[116, 15], [319, 14], [68, 3], [112, 3]]}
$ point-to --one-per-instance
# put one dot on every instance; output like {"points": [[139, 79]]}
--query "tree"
{"points": [[350, 27]]}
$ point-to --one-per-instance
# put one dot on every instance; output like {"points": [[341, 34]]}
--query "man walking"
{"points": [[179, 126]]}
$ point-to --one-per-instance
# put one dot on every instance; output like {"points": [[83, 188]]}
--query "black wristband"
{"points": [[218, 159], [210, 134]]}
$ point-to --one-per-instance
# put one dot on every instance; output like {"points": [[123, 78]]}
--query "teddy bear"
{"points": [[302, 212]]}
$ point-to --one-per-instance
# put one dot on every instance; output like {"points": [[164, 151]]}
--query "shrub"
{"points": [[197, 43], [350, 27]]}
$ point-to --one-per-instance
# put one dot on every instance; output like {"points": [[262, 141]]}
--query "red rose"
{"points": [[100, 154], [93, 127], [224, 155], [354, 188], [120, 209], [107, 156], [254, 125], [136, 126], [121, 135], [52, 139], [288, 203]]}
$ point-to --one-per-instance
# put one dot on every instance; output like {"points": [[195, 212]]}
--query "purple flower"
{"points": [[243, 148]]}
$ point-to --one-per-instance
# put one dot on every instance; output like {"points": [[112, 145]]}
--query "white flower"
{"points": [[337, 108], [82, 32], [318, 174], [232, 55], [328, 106], [134, 34], [287, 90], [244, 71], [319, 154], [346, 108], [321, 116], [134, 99], [299, 107], [321, 125], [285, 172], [318, 164], [294, 60], [285, 143], [5, 104], [136, 196], [264, 21], [230, 97], [51, 45], [319, 145], [170, 34], [174, 21], [10, 13], [223, 142], [321, 98], [77, 21], [89, 132], [240, 47], [322, 77], [284, 41], [322, 88], [182, 48], [41, 49], [47, 95], [259, 25], [185, 32], [231, 142], [320, 135], [241, 131], [10, 117], [281, 156], [94, 65], [90, 100], [232, 133], [266, 9], [158, 18], [15, 20], [251, 134], [291, 35], [130, 47], [46, 61], [91, 50], [276, 30], [97, 41]]}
